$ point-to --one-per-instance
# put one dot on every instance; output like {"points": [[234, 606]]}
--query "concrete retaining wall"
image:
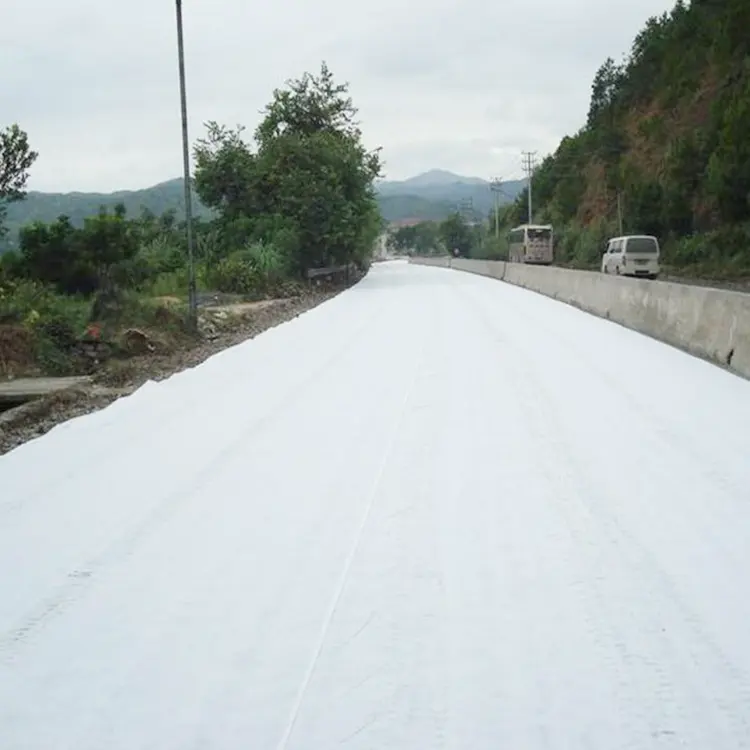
{"points": [[710, 323]]}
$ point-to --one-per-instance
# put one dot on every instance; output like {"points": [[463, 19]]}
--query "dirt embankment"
{"points": [[221, 327]]}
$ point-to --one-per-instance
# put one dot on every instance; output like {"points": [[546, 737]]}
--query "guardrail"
{"points": [[710, 323], [329, 272]]}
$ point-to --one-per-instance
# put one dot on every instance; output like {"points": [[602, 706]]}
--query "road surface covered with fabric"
{"points": [[435, 512]]}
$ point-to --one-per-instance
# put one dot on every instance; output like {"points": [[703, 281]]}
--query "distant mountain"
{"points": [[47, 207], [432, 195], [439, 193], [398, 207], [441, 177]]}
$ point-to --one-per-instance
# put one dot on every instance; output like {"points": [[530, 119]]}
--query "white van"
{"points": [[634, 255]]}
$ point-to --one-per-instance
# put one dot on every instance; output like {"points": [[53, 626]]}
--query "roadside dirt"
{"points": [[736, 285], [221, 326]]}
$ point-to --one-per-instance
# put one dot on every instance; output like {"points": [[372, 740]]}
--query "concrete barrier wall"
{"points": [[710, 323], [440, 262]]}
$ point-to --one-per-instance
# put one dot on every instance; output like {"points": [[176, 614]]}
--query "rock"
{"points": [[207, 329], [136, 342]]}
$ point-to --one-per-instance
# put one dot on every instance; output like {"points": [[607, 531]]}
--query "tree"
{"points": [[16, 158], [457, 235], [78, 261], [308, 106], [307, 183], [49, 253], [604, 89], [422, 239], [225, 171], [729, 165]]}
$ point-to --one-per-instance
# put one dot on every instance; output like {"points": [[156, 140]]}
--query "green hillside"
{"points": [[438, 186], [46, 207], [666, 146], [431, 196], [397, 207]]}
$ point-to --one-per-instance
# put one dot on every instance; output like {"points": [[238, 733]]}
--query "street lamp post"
{"points": [[192, 300]]}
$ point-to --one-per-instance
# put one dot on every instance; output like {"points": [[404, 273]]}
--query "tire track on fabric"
{"points": [[644, 575]]}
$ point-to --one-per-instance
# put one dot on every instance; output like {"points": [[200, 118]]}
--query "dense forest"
{"points": [[665, 149]]}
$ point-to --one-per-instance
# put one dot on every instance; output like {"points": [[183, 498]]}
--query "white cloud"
{"points": [[463, 85]]}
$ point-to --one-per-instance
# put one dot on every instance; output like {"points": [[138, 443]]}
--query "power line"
{"points": [[529, 164], [465, 209], [497, 190]]}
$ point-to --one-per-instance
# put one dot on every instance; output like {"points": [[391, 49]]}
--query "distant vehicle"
{"points": [[531, 243], [633, 255]]}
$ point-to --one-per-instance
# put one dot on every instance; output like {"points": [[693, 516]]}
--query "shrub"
{"points": [[258, 269], [271, 266], [493, 248], [54, 322], [234, 275]]}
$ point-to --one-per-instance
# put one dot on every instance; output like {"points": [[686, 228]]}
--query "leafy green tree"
{"points": [[729, 164], [309, 106], [323, 183], [306, 185], [645, 212], [421, 239], [108, 244], [225, 172], [79, 261], [604, 90], [16, 159], [518, 212], [457, 235], [50, 253]]}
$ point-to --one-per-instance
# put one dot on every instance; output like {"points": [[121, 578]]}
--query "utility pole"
{"points": [[192, 297], [496, 188], [619, 210], [465, 209], [529, 164]]}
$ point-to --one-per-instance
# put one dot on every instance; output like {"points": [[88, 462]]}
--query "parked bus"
{"points": [[531, 243]]}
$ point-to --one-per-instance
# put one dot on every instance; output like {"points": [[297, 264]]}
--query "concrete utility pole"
{"points": [[529, 164], [496, 188], [192, 297]]}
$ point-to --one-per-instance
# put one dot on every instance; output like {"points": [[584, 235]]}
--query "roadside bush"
{"points": [[136, 310], [259, 269], [582, 247], [271, 267], [234, 275], [55, 347], [54, 322], [161, 254], [29, 301], [10, 267], [493, 248], [721, 254]]}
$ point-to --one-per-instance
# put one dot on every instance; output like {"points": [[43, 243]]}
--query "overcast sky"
{"points": [[463, 85]]}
